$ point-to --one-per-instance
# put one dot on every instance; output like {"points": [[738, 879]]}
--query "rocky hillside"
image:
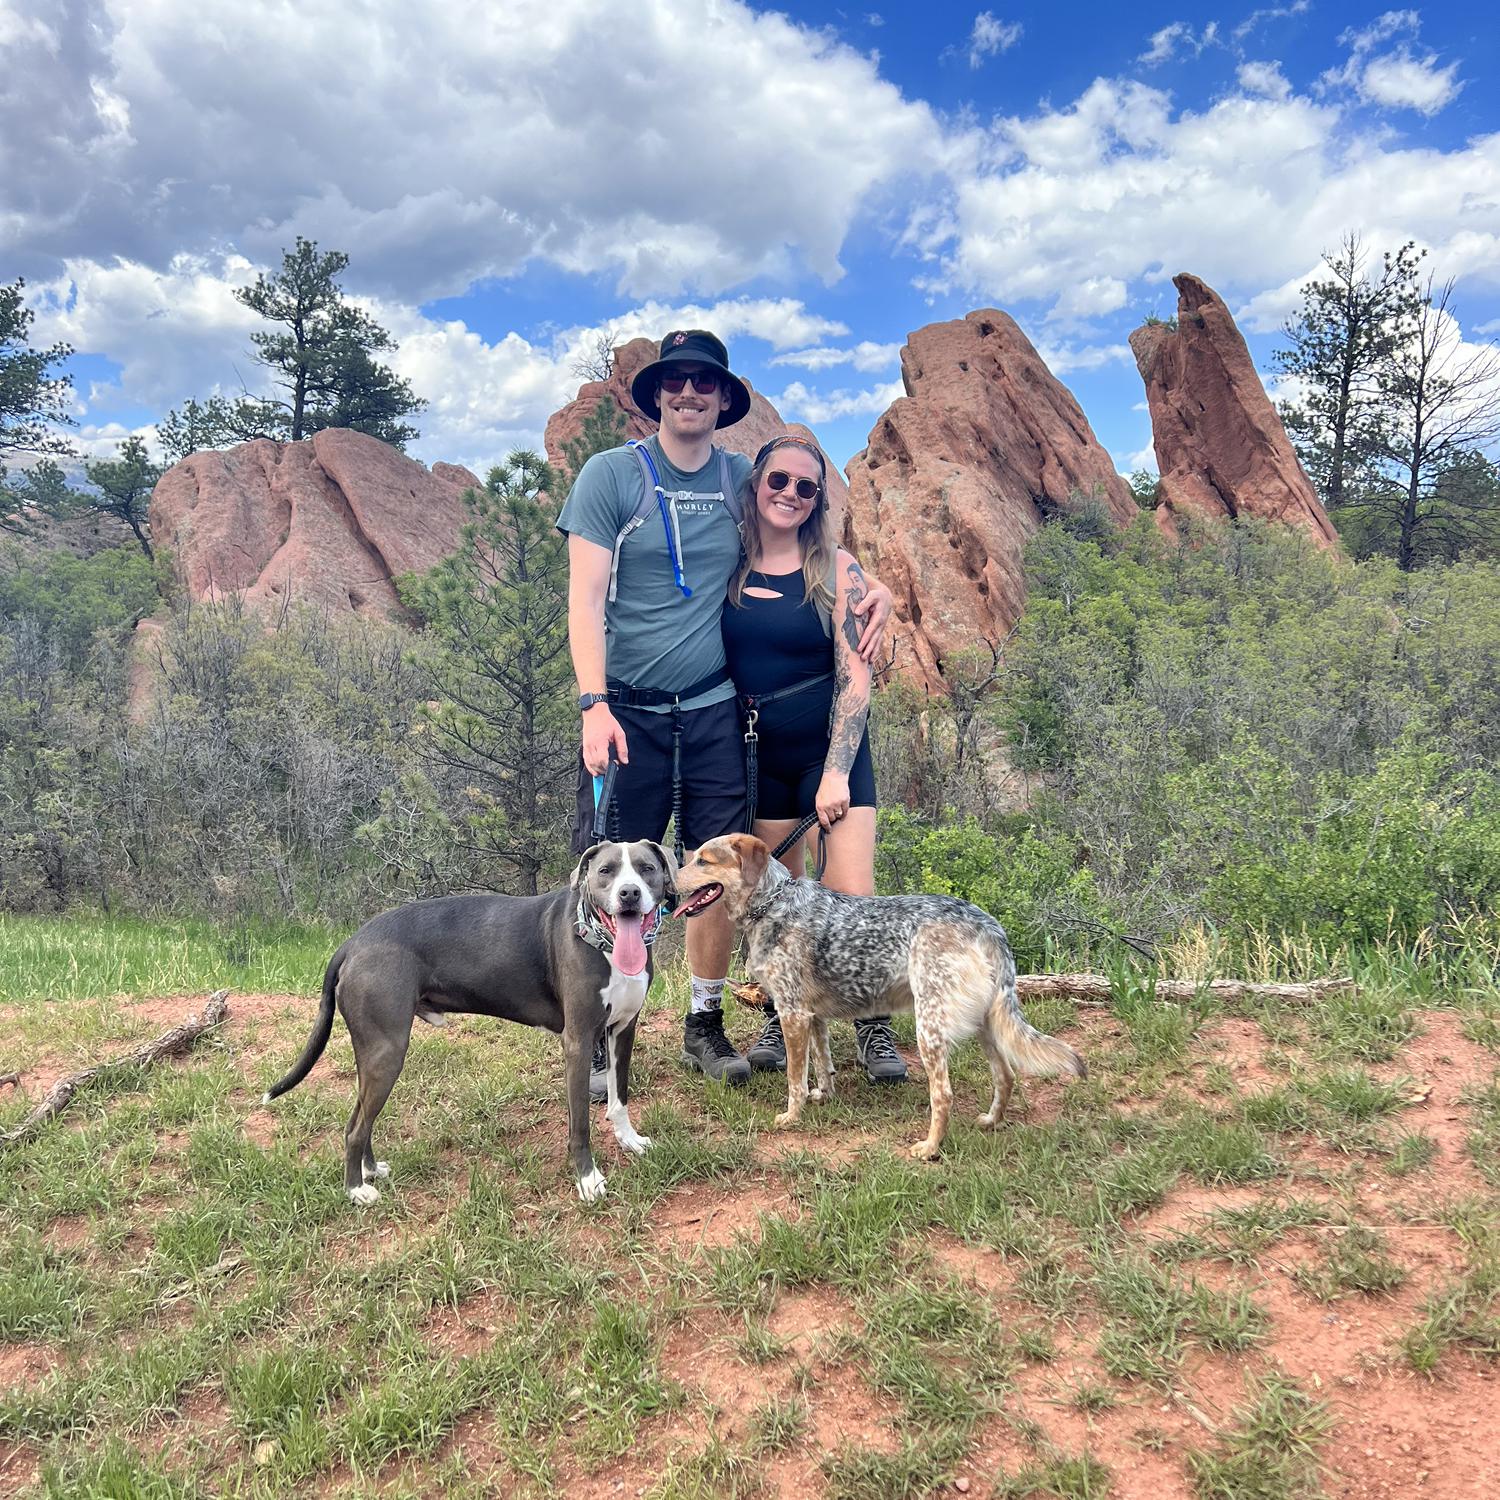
{"points": [[1220, 446], [959, 475], [329, 521]]}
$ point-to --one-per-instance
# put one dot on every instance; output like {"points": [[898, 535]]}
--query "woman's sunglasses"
{"points": [[804, 489], [705, 382]]}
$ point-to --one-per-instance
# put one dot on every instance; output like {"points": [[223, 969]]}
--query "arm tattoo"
{"points": [[851, 701]]}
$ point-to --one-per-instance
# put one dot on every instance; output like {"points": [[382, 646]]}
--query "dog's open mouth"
{"points": [[630, 931], [700, 900]]}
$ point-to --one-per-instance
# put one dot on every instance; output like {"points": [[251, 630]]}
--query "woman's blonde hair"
{"points": [[815, 539]]}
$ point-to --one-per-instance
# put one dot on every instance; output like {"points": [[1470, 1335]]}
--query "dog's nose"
{"points": [[629, 895]]}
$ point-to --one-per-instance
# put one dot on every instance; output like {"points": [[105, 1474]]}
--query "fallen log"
{"points": [[169, 1044], [1095, 989]]}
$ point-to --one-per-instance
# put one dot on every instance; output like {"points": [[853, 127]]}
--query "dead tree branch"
{"points": [[169, 1044], [1094, 989]]}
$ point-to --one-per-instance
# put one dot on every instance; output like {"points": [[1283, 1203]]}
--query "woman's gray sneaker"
{"points": [[706, 1048], [875, 1044], [768, 1055], [599, 1072]]}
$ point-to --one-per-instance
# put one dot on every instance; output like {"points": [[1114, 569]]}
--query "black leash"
{"points": [[752, 703], [821, 862]]}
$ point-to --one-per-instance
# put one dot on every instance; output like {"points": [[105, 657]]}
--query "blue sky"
{"points": [[509, 180]]}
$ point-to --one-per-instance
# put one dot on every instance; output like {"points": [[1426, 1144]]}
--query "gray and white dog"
{"points": [[821, 955], [574, 961]]}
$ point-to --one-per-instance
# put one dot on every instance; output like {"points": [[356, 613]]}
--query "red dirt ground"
{"points": [[1395, 1434]]}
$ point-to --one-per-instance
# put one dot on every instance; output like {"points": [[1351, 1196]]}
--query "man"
{"points": [[644, 601]]}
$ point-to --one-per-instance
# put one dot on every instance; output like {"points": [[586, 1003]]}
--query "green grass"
{"points": [[1271, 1452], [215, 1318], [85, 957]]}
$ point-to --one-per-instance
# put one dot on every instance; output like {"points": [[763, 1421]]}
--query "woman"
{"points": [[792, 645]]}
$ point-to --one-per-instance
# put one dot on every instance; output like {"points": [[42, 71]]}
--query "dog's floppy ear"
{"points": [[754, 857], [576, 879], [669, 863]]}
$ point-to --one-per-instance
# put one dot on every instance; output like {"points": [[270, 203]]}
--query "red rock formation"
{"points": [[956, 479], [329, 521], [1220, 447], [759, 425]]}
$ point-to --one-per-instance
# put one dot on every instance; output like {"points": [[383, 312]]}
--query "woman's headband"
{"points": [[790, 438]]}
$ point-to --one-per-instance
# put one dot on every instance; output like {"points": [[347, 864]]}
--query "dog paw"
{"points": [[816, 1096], [987, 1121], [364, 1195], [924, 1151], [591, 1188], [636, 1145], [786, 1121], [382, 1169]]}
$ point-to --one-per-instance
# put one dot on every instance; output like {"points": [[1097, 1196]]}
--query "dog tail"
{"points": [[1027, 1050], [322, 1030]]}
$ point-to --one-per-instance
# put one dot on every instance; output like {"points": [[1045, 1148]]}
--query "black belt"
{"points": [[633, 697], [759, 700]]}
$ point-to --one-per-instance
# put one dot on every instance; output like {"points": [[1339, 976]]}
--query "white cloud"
{"points": [[1390, 23], [1120, 188], [1394, 80], [865, 356], [1402, 81], [1064, 359], [797, 403], [180, 333], [176, 333], [1091, 297], [467, 146], [990, 36], [1263, 78], [1179, 36], [1270, 13]]}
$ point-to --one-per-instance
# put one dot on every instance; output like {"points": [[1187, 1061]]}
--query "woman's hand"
{"points": [[832, 801]]}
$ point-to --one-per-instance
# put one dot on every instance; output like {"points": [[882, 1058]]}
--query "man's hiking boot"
{"points": [[599, 1072], [876, 1048], [709, 1051], [768, 1055]]}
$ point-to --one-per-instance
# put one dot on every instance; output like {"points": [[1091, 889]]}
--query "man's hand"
{"points": [[601, 730], [875, 610]]}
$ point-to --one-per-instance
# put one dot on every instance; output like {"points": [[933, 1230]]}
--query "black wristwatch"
{"points": [[587, 700]]}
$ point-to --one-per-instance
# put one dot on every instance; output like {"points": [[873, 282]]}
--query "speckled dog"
{"points": [[822, 955]]}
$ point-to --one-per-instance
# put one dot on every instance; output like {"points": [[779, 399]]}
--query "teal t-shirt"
{"points": [[655, 638]]}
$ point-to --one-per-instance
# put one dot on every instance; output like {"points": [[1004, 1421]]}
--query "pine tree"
{"points": [[34, 402], [1338, 343], [122, 488], [1439, 409], [603, 429], [501, 727], [323, 364]]}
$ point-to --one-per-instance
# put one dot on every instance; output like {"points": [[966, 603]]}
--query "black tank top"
{"points": [[773, 643]]}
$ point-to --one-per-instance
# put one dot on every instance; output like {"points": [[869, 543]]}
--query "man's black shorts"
{"points": [[713, 778]]}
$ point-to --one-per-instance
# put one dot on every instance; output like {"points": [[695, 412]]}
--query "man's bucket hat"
{"points": [[695, 346]]}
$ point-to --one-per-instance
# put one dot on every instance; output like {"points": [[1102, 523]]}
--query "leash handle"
{"points": [[604, 789], [820, 861]]}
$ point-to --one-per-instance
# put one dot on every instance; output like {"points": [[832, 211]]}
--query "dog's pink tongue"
{"points": [[630, 951]]}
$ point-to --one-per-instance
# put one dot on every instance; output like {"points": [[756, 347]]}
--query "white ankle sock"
{"points": [[708, 994]]}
